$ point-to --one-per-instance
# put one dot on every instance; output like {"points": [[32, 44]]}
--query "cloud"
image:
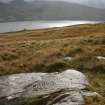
{"points": [[94, 3], [5, 0]]}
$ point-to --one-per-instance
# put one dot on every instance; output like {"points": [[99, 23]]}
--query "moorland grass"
{"points": [[44, 51]]}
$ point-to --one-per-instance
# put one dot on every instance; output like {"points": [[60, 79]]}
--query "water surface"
{"points": [[29, 25]]}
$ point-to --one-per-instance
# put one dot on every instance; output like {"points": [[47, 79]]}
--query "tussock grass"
{"points": [[44, 51]]}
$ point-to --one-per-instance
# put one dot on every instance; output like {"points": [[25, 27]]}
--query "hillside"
{"points": [[48, 10], [79, 47]]}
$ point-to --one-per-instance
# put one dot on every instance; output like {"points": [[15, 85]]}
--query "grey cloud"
{"points": [[94, 3], [5, 0]]}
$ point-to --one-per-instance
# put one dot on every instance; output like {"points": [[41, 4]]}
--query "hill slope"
{"points": [[48, 10], [50, 50]]}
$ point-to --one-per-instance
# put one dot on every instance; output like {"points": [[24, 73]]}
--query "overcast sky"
{"points": [[94, 3]]}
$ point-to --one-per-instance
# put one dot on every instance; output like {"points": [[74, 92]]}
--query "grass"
{"points": [[44, 51], [24, 101]]}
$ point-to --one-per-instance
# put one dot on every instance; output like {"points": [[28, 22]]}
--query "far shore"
{"points": [[21, 26]]}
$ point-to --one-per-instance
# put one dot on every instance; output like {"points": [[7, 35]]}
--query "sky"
{"points": [[93, 3]]}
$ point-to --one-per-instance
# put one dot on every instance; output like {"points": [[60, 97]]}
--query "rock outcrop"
{"points": [[66, 88]]}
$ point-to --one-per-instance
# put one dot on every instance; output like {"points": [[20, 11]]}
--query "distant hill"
{"points": [[20, 10]]}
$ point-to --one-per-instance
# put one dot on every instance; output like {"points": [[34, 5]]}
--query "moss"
{"points": [[24, 101], [34, 101]]}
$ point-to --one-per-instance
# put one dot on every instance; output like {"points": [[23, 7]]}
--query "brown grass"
{"points": [[44, 50], [26, 51]]}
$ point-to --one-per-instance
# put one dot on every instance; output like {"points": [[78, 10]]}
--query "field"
{"points": [[80, 47]]}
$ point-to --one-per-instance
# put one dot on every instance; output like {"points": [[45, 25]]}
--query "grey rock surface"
{"points": [[70, 87]]}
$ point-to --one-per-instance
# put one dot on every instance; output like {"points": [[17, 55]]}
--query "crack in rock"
{"points": [[66, 88]]}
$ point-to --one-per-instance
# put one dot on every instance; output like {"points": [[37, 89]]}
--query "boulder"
{"points": [[67, 88]]}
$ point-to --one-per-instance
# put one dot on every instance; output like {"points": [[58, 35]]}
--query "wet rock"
{"points": [[66, 88]]}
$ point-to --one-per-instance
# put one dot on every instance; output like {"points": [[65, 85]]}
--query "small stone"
{"points": [[9, 97], [68, 58], [100, 57]]}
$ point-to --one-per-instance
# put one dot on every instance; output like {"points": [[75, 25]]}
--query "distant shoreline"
{"points": [[51, 20], [10, 27]]}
